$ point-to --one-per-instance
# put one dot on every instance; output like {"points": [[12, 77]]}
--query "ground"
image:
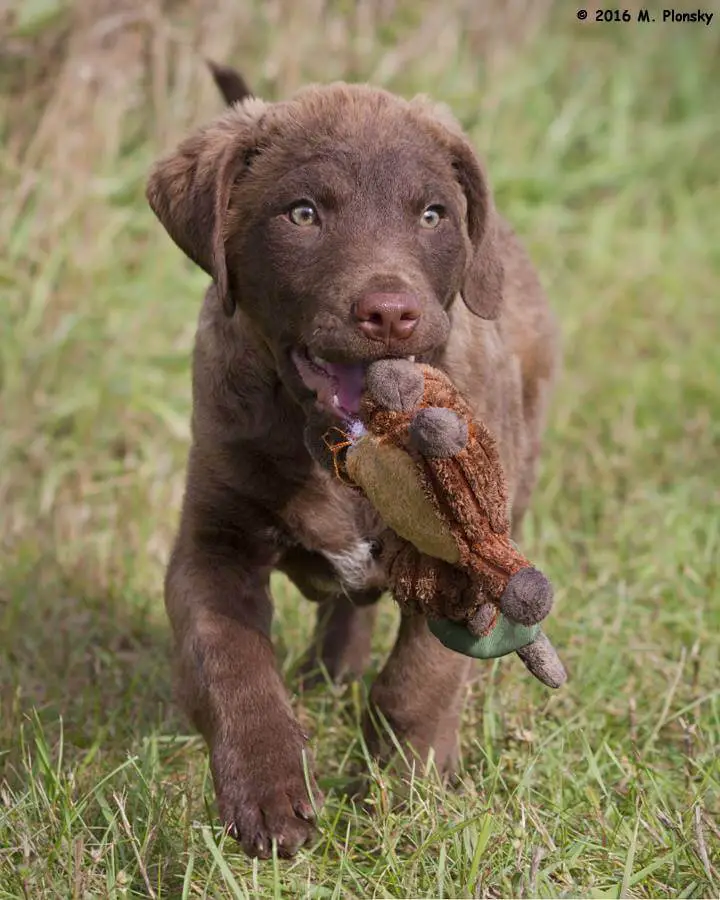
{"points": [[601, 141]]}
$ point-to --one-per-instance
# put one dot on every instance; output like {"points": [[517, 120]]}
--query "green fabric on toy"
{"points": [[434, 475]]}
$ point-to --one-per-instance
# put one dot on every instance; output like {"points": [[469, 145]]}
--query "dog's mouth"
{"points": [[337, 386]]}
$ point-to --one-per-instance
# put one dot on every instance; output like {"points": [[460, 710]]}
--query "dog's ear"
{"points": [[189, 190], [229, 82], [482, 290]]}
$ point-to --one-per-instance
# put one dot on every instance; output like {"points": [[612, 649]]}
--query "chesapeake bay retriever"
{"points": [[341, 226]]}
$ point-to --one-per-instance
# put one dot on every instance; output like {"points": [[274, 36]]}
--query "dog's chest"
{"points": [[334, 535]]}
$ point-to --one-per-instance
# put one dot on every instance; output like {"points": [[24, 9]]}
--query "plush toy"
{"points": [[433, 474]]}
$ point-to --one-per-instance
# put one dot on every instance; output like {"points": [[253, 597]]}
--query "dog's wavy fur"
{"points": [[255, 501]]}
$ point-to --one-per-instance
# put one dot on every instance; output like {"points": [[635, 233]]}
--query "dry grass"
{"points": [[602, 144]]}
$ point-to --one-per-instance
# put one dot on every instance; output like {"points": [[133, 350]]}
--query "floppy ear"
{"points": [[482, 290], [189, 190]]}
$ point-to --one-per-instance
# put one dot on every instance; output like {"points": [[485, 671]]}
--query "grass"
{"points": [[602, 144]]}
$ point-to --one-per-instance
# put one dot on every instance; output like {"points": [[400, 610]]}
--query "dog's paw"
{"points": [[265, 798]]}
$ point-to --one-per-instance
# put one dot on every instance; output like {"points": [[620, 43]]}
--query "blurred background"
{"points": [[601, 140]]}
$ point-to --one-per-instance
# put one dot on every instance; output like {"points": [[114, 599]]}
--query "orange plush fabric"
{"points": [[468, 489], [434, 474]]}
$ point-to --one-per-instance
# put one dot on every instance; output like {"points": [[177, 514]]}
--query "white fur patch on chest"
{"points": [[355, 566]]}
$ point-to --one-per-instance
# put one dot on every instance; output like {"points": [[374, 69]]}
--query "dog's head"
{"points": [[343, 222]]}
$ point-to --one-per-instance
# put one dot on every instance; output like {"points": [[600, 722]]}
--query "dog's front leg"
{"points": [[220, 610], [420, 694]]}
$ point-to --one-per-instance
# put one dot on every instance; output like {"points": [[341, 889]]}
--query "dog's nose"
{"points": [[387, 317]]}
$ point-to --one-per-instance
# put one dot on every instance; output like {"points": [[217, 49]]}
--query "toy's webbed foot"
{"points": [[542, 661], [528, 596], [395, 384], [438, 432]]}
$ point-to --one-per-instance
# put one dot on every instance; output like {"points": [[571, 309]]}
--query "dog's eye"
{"points": [[432, 215], [303, 214]]}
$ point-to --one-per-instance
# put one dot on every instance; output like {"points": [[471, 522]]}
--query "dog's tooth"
{"points": [[318, 360], [335, 401], [411, 359]]}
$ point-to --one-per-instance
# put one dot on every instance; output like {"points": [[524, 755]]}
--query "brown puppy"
{"points": [[339, 227]]}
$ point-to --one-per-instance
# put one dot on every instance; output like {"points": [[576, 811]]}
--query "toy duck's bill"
{"points": [[529, 642]]}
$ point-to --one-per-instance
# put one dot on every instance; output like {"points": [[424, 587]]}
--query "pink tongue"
{"points": [[350, 381]]}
